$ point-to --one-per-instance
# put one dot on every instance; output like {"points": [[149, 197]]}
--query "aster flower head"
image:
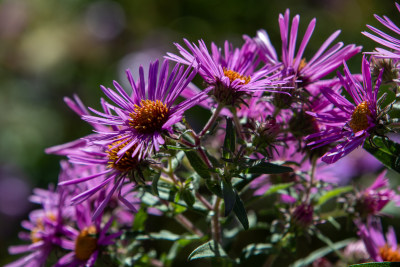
{"points": [[373, 199], [305, 71], [139, 121], [86, 242], [231, 73], [45, 226], [379, 248], [349, 124]]}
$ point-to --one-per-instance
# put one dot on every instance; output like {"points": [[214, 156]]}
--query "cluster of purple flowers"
{"points": [[286, 107]]}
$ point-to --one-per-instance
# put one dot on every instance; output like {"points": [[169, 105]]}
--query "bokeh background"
{"points": [[52, 49]]}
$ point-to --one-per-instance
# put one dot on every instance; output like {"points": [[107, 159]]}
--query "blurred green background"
{"points": [[52, 49]]}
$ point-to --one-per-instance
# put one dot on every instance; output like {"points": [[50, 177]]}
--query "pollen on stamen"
{"points": [[388, 254], [233, 75], [149, 116], [86, 243], [359, 118], [124, 163]]}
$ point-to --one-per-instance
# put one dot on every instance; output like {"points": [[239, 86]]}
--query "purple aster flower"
{"points": [[385, 39], [349, 124], [86, 243], [374, 198], [306, 71], [231, 74], [379, 248], [126, 134], [138, 121], [45, 226]]}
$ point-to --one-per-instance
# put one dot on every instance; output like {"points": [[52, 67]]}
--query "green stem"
{"points": [[212, 119]]}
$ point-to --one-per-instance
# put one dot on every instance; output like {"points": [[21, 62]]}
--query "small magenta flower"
{"points": [[45, 227], [373, 199], [385, 39], [349, 124], [303, 215], [305, 71], [231, 73], [379, 248]]}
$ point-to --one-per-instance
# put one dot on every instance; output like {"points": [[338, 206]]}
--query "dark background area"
{"points": [[52, 49]]}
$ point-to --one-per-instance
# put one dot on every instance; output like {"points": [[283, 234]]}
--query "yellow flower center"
{"points": [[124, 163], [388, 254], [359, 118], [233, 75], [39, 227], [86, 243], [149, 116]]}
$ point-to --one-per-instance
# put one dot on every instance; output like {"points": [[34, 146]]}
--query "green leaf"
{"points": [[319, 253], [268, 168], [377, 264], [177, 159], [140, 219], [229, 196], [188, 197], [154, 184], [333, 193], [214, 187], [198, 165], [211, 249], [230, 140], [277, 187], [240, 212], [256, 249], [387, 152], [180, 148]]}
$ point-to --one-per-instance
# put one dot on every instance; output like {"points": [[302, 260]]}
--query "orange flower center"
{"points": [[86, 243], [359, 118], [124, 163], [149, 116], [388, 254], [233, 75], [302, 64]]}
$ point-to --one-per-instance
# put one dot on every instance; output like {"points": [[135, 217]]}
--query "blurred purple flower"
{"points": [[379, 248], [385, 39], [373, 199], [45, 227]]}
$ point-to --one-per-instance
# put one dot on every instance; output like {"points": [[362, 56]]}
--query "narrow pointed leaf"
{"points": [[211, 249], [268, 168], [198, 165], [230, 140], [240, 212], [333, 193], [229, 196]]}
